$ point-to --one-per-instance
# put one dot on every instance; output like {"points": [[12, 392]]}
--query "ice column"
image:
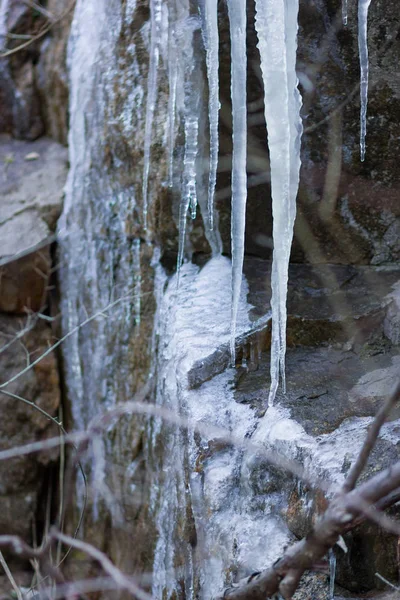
{"points": [[191, 118], [237, 23], [152, 89], [211, 43], [363, 6], [276, 25]]}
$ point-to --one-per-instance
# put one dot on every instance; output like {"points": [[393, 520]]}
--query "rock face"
{"points": [[197, 512], [31, 183], [31, 186]]}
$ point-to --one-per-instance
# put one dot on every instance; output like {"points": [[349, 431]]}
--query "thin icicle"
{"points": [[344, 12], [152, 90], [237, 24], [189, 198], [332, 574], [172, 80], [276, 25], [191, 117], [363, 6], [137, 294], [211, 43]]}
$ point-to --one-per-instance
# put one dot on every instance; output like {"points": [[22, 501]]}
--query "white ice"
{"points": [[363, 6], [332, 573], [152, 90], [191, 110], [211, 43], [344, 12], [237, 23], [172, 83], [276, 25]]}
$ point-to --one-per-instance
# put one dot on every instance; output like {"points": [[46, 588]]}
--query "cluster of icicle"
{"points": [[277, 26]]}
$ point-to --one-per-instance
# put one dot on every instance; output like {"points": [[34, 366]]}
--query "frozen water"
{"points": [[344, 12], [276, 24], [152, 90], [237, 24], [211, 43], [363, 6]]}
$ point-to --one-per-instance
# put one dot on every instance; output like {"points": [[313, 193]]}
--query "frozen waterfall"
{"points": [[277, 27]]}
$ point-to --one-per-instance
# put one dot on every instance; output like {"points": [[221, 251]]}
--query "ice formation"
{"points": [[211, 43], [191, 127], [276, 25], [332, 573], [363, 6], [344, 12], [237, 23], [152, 89], [172, 82]]}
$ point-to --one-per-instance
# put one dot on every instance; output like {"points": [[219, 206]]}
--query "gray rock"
{"points": [[31, 199]]}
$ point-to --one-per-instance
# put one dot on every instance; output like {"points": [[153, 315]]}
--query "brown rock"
{"points": [[22, 340], [31, 195]]}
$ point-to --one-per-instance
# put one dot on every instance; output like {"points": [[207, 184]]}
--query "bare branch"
{"points": [[373, 432], [339, 517], [10, 577], [98, 314], [41, 33]]}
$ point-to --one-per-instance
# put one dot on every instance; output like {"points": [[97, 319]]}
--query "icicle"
{"points": [[363, 6], [332, 573], [137, 281], [172, 80], [189, 181], [4, 9], [276, 25], [191, 116], [211, 43], [237, 24], [344, 12], [152, 89]]}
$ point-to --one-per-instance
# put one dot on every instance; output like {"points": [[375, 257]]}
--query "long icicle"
{"points": [[172, 83], [363, 6], [276, 25], [237, 24], [191, 117], [152, 89], [344, 12], [211, 43]]}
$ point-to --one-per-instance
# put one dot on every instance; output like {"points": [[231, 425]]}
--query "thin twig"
{"points": [[379, 576], [372, 436], [10, 577], [122, 580], [98, 314], [340, 515], [40, 34]]}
